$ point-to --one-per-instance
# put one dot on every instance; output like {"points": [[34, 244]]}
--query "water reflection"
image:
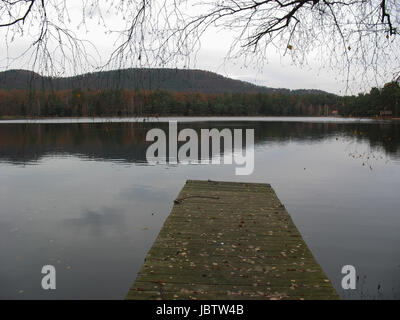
{"points": [[144, 192], [125, 142], [99, 223], [79, 196]]}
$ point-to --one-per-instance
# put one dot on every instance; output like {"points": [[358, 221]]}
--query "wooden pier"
{"points": [[228, 240]]}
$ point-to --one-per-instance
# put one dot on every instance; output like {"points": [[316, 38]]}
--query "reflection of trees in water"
{"points": [[367, 289], [21, 143]]}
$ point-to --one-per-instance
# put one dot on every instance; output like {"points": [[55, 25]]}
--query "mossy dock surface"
{"points": [[228, 240]]}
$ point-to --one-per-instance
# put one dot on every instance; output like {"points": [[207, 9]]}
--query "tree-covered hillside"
{"points": [[179, 80], [164, 92]]}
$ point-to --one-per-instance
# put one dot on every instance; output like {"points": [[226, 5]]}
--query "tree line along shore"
{"points": [[124, 102]]}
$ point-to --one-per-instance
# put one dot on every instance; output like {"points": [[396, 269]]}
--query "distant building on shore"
{"points": [[386, 114]]}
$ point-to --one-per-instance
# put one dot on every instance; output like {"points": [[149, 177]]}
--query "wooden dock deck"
{"points": [[227, 240]]}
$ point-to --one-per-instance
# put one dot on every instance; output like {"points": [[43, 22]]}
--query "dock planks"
{"points": [[228, 240]]}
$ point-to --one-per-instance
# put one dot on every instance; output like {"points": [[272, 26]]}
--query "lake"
{"points": [[78, 194]]}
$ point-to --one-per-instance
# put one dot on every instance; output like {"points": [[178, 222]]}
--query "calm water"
{"points": [[80, 196]]}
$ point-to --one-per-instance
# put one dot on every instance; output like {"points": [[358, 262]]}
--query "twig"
{"points": [[178, 201]]}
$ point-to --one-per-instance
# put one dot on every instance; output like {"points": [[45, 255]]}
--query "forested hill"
{"points": [[178, 80], [136, 92]]}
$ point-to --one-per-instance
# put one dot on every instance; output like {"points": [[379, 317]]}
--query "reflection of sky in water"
{"points": [[95, 220]]}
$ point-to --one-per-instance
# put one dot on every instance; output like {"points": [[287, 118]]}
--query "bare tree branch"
{"points": [[360, 37]]}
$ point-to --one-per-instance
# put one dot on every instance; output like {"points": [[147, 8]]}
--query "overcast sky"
{"points": [[276, 71]]}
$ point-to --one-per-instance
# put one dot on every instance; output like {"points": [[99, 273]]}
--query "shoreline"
{"points": [[21, 118]]}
